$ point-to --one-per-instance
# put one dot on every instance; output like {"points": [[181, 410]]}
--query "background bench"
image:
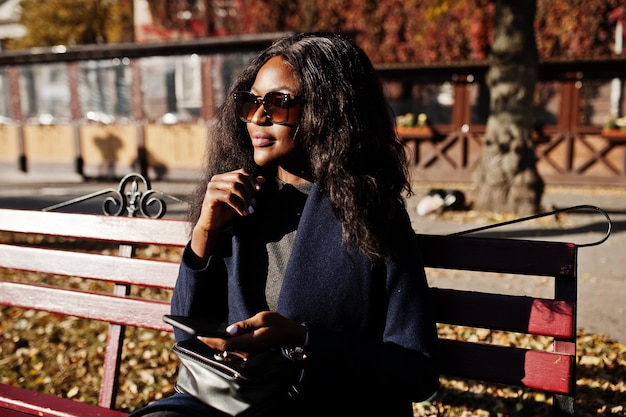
{"points": [[551, 372]]}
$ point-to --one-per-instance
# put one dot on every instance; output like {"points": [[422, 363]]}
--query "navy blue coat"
{"points": [[372, 335]]}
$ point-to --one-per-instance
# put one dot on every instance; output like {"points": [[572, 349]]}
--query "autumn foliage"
{"points": [[438, 30], [388, 30], [74, 22]]}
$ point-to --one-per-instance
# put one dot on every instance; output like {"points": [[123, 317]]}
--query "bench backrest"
{"points": [[552, 372], [122, 270]]}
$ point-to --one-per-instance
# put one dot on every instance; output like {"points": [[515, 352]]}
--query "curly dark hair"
{"points": [[347, 130]]}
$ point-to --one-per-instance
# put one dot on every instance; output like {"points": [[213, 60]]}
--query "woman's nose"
{"points": [[260, 117]]}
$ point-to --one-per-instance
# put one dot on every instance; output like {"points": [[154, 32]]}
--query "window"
{"points": [[435, 99], [600, 101], [5, 104], [45, 92], [104, 89]]}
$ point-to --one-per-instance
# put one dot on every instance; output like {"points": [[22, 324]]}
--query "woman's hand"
{"points": [[227, 195], [263, 331]]}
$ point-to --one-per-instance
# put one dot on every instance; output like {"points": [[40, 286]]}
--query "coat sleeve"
{"points": [[199, 292]]}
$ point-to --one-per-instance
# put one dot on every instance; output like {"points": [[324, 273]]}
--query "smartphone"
{"points": [[198, 327]]}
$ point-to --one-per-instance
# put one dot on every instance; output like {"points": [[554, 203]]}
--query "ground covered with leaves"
{"points": [[63, 356]]}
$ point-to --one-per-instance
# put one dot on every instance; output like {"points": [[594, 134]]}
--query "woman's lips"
{"points": [[260, 140]]}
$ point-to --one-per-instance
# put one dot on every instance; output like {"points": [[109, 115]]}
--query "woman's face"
{"points": [[274, 144]]}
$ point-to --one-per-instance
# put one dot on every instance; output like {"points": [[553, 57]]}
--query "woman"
{"points": [[301, 238]]}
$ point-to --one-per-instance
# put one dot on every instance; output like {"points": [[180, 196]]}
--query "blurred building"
{"points": [[149, 106]]}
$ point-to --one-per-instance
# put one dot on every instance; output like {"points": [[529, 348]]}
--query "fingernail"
{"points": [[231, 329], [250, 209]]}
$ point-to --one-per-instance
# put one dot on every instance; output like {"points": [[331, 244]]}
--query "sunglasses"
{"points": [[276, 105]]}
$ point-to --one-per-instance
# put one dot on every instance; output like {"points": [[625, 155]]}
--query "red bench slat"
{"points": [[94, 306], [20, 402], [133, 230], [533, 369], [514, 256], [505, 312], [153, 273]]}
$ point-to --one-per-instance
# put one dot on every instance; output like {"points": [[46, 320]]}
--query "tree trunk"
{"points": [[506, 178]]}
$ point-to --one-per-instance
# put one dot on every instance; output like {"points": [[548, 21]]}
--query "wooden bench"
{"points": [[117, 307], [552, 372]]}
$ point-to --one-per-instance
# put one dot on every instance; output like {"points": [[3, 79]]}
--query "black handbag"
{"points": [[232, 384]]}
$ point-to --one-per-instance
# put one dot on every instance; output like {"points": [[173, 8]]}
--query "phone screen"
{"points": [[198, 327]]}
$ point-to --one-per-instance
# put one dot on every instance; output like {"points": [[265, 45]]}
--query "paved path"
{"points": [[602, 268]]}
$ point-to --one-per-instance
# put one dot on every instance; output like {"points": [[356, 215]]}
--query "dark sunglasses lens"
{"points": [[276, 106], [247, 104]]}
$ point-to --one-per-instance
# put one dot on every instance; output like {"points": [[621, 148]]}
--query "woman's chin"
{"points": [[262, 159]]}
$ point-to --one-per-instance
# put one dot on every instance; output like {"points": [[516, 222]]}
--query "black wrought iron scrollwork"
{"points": [[134, 196]]}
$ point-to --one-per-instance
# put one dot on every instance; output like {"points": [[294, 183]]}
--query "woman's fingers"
{"points": [[237, 189], [262, 331], [233, 192], [227, 195]]}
